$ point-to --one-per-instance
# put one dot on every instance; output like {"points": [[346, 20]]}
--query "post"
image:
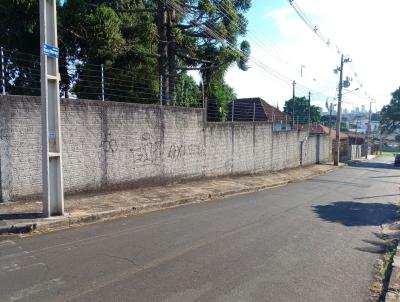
{"points": [[102, 82], [309, 111], [205, 111], [338, 116], [254, 112], [202, 92], [330, 132], [161, 90], [273, 115], [294, 103], [3, 74], [52, 179], [233, 111], [358, 149], [369, 128]]}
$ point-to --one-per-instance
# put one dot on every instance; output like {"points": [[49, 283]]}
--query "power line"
{"points": [[322, 37], [213, 33]]}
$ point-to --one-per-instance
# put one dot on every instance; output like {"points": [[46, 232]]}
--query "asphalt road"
{"points": [[309, 241]]}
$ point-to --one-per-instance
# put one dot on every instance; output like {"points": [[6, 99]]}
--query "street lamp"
{"points": [[352, 91]]}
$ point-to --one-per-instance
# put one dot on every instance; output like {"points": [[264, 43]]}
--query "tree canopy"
{"points": [[390, 114], [19, 30], [301, 111], [135, 40]]}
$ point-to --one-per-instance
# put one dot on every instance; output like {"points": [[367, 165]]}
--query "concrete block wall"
{"points": [[112, 145]]}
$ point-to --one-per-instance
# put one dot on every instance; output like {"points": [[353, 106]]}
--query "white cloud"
{"points": [[367, 30]]}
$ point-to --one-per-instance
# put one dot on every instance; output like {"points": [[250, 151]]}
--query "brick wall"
{"points": [[110, 145]]}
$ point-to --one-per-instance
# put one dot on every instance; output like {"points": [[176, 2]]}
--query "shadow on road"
{"points": [[350, 213], [372, 165], [374, 246]]}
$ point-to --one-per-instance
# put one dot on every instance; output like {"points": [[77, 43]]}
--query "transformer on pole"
{"points": [[52, 180]]}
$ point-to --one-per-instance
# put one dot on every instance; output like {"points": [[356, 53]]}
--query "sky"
{"points": [[365, 30]]}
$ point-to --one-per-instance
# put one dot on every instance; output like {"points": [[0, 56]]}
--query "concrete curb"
{"points": [[393, 292], [54, 223]]}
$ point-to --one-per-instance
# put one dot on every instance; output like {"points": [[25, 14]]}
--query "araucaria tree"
{"points": [[137, 41], [202, 35]]}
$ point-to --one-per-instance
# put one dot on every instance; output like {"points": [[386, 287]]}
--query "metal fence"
{"points": [[20, 75]]}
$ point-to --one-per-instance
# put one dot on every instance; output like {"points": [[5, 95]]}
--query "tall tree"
{"points": [[390, 114], [103, 32], [204, 35], [20, 32], [136, 40], [301, 107]]}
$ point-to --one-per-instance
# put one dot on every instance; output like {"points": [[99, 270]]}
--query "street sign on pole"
{"points": [[52, 180], [50, 51]]}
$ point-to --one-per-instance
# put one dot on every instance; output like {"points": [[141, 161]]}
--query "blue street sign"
{"points": [[50, 51]]}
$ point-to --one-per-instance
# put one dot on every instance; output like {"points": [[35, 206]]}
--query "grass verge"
{"points": [[383, 270]]}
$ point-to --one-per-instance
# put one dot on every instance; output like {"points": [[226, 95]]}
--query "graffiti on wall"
{"points": [[179, 151], [148, 152]]}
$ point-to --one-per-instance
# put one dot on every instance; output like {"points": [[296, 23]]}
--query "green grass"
{"points": [[387, 154]]}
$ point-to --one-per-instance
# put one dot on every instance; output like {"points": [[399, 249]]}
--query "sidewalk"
{"points": [[25, 216]]}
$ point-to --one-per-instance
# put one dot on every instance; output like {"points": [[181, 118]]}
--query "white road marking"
{"points": [[16, 267], [7, 243], [26, 292]]}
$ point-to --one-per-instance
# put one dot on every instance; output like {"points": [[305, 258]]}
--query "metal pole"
{"points": [[294, 102], [3, 77], [309, 111], [273, 115], [286, 125], [254, 112], [369, 128], [339, 117], [52, 174], [233, 111], [202, 92], [205, 112], [161, 90], [102, 82], [356, 131]]}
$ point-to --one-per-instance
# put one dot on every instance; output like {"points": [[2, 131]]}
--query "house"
{"points": [[256, 109]]}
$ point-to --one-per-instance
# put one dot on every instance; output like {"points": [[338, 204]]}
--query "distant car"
{"points": [[397, 160]]}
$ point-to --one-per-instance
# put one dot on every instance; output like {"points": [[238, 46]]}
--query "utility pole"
{"points": [[294, 103], [52, 174], [338, 116], [369, 128]]}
